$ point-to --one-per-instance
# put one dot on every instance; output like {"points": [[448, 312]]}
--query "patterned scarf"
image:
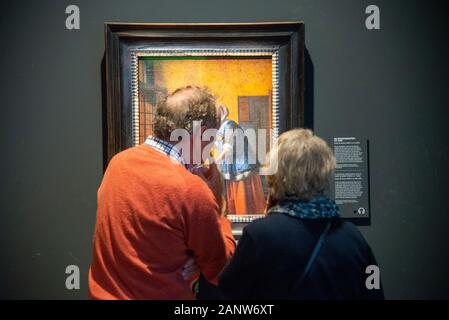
{"points": [[318, 208]]}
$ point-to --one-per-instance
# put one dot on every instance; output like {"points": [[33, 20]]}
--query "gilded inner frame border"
{"points": [[150, 52]]}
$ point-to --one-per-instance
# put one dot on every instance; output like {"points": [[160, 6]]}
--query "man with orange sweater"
{"points": [[155, 218]]}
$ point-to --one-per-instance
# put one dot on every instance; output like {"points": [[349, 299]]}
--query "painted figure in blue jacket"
{"points": [[238, 164]]}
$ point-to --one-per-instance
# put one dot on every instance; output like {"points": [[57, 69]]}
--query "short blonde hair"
{"points": [[305, 165]]}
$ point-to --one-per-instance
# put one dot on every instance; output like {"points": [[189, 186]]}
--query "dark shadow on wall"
{"points": [[308, 90], [104, 123], [309, 96]]}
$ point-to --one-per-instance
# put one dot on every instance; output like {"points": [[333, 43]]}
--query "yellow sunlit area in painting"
{"points": [[244, 85]]}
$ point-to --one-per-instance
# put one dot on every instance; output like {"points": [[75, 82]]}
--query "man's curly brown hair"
{"points": [[185, 105]]}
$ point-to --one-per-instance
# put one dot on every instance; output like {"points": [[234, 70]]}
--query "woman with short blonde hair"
{"points": [[302, 249], [305, 166]]}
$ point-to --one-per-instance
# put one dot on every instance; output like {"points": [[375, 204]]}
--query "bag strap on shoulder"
{"points": [[313, 256]]}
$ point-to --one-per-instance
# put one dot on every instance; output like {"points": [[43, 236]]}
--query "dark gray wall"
{"points": [[389, 85]]}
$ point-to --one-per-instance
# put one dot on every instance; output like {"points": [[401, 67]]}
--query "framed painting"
{"points": [[255, 70]]}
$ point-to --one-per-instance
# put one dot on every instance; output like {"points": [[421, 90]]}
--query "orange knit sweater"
{"points": [[152, 215]]}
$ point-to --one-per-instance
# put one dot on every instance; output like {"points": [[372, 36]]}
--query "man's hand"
{"points": [[190, 269], [270, 203], [213, 178]]}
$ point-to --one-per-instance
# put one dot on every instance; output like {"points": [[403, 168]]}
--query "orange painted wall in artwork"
{"points": [[226, 78]]}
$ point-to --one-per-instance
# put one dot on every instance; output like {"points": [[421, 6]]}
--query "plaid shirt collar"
{"points": [[166, 148]]}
